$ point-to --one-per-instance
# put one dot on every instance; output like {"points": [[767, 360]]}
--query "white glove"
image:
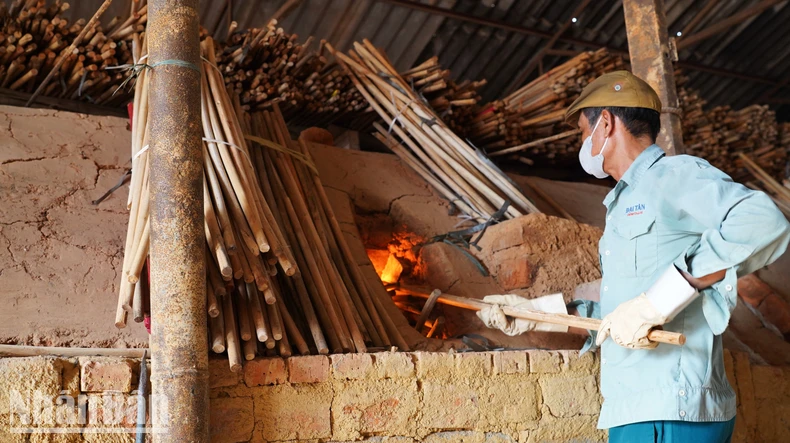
{"points": [[494, 317], [629, 323]]}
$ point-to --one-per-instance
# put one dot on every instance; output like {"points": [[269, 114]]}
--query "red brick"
{"points": [[571, 396], [352, 366], [777, 312], [573, 362], [510, 362], [220, 375], [461, 437], [747, 405], [753, 290], [393, 365], [112, 409], [544, 361], [265, 371], [505, 235], [434, 365], [294, 412], [473, 364], [511, 400], [100, 374], [308, 369], [375, 407], [513, 269], [231, 419], [453, 406]]}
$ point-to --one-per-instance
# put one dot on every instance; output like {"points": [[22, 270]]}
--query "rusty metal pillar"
{"points": [[178, 279], [649, 49]]}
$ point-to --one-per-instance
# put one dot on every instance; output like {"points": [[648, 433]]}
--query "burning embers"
{"points": [[398, 262]]}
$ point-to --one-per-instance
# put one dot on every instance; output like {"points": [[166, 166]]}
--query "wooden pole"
{"points": [[592, 324], [648, 46], [178, 273]]}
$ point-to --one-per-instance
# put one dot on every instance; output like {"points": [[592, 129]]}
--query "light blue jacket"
{"points": [[679, 210]]}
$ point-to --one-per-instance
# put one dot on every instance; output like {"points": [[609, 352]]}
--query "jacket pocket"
{"points": [[637, 239]]}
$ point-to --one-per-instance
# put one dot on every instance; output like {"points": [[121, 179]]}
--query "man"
{"points": [[678, 234]]}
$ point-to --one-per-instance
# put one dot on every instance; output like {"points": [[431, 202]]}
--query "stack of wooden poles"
{"points": [[267, 65], [280, 275], [263, 65], [34, 36], [763, 181], [456, 103], [420, 138], [528, 125], [721, 134], [784, 135]]}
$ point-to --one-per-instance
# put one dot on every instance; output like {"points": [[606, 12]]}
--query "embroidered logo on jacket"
{"points": [[637, 209]]}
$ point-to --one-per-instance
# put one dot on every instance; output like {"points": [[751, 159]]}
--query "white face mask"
{"points": [[592, 165]]}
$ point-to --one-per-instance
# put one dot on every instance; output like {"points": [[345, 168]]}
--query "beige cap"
{"points": [[619, 88]]}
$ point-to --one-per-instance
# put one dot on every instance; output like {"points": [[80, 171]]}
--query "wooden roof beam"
{"points": [[698, 17], [726, 24], [538, 57], [580, 42]]}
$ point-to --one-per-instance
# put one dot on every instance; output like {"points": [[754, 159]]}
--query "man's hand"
{"points": [[705, 281], [629, 324], [494, 317]]}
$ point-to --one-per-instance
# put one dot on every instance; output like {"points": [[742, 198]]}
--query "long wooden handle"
{"points": [[656, 335]]}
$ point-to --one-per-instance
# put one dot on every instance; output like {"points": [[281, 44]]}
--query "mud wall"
{"points": [[60, 256], [512, 396]]}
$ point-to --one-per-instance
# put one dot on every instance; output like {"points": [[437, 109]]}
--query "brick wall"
{"points": [[512, 396]]}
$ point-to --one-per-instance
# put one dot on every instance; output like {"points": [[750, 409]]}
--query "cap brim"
{"points": [[573, 118]]}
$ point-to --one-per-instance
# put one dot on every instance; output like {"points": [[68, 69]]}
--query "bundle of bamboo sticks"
{"points": [[280, 275], [454, 168], [267, 65], [763, 181], [784, 135], [263, 65], [721, 134], [530, 122], [456, 103], [34, 36]]}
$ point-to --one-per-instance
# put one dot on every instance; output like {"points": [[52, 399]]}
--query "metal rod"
{"points": [[141, 403], [178, 278]]}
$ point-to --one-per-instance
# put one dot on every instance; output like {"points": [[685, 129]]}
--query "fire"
{"points": [[392, 270], [399, 259]]}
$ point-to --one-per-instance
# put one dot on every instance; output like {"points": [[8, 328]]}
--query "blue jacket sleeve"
{"points": [[742, 231], [587, 309]]}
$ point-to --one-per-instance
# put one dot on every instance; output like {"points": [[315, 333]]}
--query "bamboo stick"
{"points": [[660, 336], [231, 335]]}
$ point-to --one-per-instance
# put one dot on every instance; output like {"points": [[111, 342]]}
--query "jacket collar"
{"points": [[634, 174]]}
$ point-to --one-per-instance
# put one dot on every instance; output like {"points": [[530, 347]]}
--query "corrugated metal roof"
{"points": [[757, 47]]}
